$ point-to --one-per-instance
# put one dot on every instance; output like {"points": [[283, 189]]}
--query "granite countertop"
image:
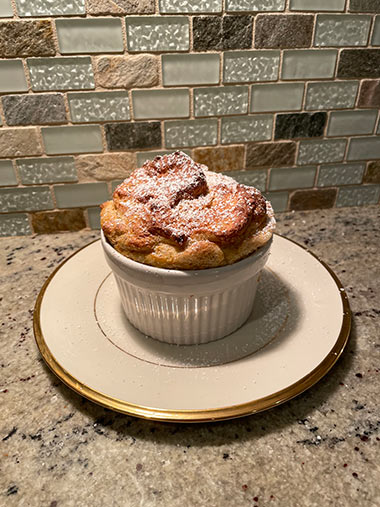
{"points": [[58, 449]]}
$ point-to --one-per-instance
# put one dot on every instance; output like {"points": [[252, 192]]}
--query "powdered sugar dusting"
{"points": [[181, 200]]}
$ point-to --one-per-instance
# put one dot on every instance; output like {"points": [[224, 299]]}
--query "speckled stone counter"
{"points": [[320, 449]]}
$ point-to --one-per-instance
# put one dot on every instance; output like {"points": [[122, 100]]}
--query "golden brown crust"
{"points": [[174, 213]]}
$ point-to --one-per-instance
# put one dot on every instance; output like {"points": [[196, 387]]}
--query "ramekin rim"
{"points": [[140, 266]]}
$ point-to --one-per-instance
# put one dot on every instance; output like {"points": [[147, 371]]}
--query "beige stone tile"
{"points": [[105, 167], [126, 71], [19, 142]]}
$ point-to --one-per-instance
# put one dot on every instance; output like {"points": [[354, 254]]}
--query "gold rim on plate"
{"points": [[204, 415]]}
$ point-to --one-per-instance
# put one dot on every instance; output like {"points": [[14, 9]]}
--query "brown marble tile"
{"points": [[312, 199], [270, 154], [26, 38], [227, 158], [364, 6], [372, 174], [39, 109], [217, 33], [359, 63], [130, 136], [369, 95], [47, 222], [283, 31]]}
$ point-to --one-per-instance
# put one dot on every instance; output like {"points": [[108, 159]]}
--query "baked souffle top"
{"points": [[175, 213]]}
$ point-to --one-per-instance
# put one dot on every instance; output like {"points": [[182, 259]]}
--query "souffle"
{"points": [[175, 213]]}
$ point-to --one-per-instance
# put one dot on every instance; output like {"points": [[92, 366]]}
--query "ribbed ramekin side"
{"points": [[187, 320]]}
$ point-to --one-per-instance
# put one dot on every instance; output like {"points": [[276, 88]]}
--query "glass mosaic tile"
{"points": [[226, 100], [255, 5], [94, 217], [246, 128], [99, 106], [338, 95], [343, 123], [321, 152], [191, 133], [341, 30], [291, 177], [46, 170], [34, 8], [12, 76], [358, 196], [276, 97], [364, 148], [61, 73], [308, 64], [157, 33], [156, 104], [251, 66], [25, 199], [81, 194], [7, 174], [6, 10], [256, 178], [60, 140], [278, 200], [14, 224], [341, 174], [190, 69], [91, 35], [189, 6]]}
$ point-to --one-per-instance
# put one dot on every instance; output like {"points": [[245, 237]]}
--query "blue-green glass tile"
{"points": [[358, 196], [278, 200], [340, 174], [83, 139], [73, 73], [190, 69], [156, 104], [321, 152], [94, 217], [46, 170], [12, 76], [25, 199], [219, 101], [250, 66], [7, 174], [147, 33], [247, 128], [189, 6], [14, 224], [341, 30], [91, 35], [256, 178], [292, 177], [191, 133], [309, 64], [35, 8], [81, 194], [99, 106]]}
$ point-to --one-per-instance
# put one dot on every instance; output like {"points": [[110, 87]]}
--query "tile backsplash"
{"points": [[280, 94]]}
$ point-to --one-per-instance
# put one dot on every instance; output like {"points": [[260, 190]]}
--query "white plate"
{"points": [[296, 332]]}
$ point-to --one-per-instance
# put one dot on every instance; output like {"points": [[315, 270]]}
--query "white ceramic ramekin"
{"points": [[186, 307]]}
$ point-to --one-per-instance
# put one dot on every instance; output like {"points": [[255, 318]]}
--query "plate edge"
{"points": [[196, 415]]}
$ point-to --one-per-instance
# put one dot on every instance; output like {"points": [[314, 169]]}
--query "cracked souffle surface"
{"points": [[175, 213]]}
